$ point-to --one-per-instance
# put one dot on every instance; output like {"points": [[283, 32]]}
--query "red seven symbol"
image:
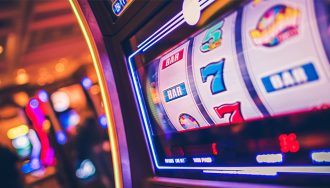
{"points": [[233, 109]]}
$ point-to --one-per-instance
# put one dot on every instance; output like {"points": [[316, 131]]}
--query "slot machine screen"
{"points": [[245, 95]]}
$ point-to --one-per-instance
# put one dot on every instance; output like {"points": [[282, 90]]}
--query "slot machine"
{"points": [[210, 93]]}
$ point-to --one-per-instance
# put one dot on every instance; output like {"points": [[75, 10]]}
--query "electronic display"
{"points": [[247, 92]]}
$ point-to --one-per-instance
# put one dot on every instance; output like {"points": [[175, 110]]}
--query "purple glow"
{"points": [[36, 148], [43, 95], [86, 82], [34, 103], [35, 164], [60, 137], [103, 121]]}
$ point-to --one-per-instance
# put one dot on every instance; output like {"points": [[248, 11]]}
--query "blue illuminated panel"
{"points": [[175, 92], [289, 78], [119, 6]]}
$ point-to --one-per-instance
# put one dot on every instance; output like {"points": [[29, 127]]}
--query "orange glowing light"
{"points": [[1, 49], [46, 125], [21, 98], [95, 90], [22, 77], [59, 67]]}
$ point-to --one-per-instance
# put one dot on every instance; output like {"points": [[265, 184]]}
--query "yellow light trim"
{"points": [[107, 104], [17, 131]]}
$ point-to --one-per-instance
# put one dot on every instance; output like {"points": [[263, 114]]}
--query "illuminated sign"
{"points": [[203, 159], [321, 156], [119, 6], [291, 77], [289, 143], [175, 92], [270, 158], [175, 160], [172, 59]]}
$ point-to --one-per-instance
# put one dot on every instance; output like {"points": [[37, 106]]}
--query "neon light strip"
{"points": [[179, 15], [164, 32], [176, 26], [250, 172], [158, 35], [101, 79], [145, 47], [141, 106], [206, 3], [274, 170]]}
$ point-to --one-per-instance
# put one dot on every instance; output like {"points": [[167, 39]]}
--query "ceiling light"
{"points": [[22, 77], [1, 49], [21, 98], [61, 101], [59, 67]]}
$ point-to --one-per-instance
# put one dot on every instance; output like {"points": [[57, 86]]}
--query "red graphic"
{"points": [[214, 149], [172, 59], [233, 109], [289, 143]]}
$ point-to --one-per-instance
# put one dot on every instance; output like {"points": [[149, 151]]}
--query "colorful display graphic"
{"points": [[277, 24], [188, 122], [218, 82], [205, 86], [212, 38]]}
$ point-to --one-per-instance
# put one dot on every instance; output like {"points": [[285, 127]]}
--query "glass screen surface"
{"points": [[247, 91]]}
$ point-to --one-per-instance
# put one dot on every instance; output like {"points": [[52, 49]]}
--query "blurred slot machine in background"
{"points": [[60, 134]]}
